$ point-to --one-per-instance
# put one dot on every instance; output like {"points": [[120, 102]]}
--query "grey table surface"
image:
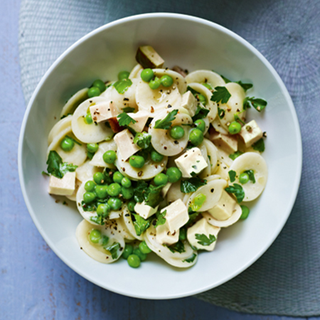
{"points": [[34, 282]]}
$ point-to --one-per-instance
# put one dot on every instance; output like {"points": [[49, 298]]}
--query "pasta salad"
{"points": [[159, 160]]}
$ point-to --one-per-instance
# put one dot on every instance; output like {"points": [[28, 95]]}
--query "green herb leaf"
{"points": [[140, 224], [204, 240], [245, 86], [122, 85], [237, 118], [194, 92], [142, 139], [67, 167], [192, 217], [140, 189], [221, 94], [232, 175], [226, 80], [221, 113], [97, 219], [160, 220], [124, 119], [153, 195], [167, 121], [191, 185], [235, 155], [177, 247], [128, 109], [259, 145], [258, 104], [237, 190], [250, 173], [56, 167], [200, 113], [113, 249], [191, 259]]}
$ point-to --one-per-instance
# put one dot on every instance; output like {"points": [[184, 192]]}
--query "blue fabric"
{"points": [[286, 279]]}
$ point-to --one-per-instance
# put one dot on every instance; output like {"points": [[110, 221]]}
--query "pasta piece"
{"points": [[61, 125], [205, 76], [74, 101], [97, 159]]}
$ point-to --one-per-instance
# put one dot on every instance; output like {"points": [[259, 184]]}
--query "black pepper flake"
{"points": [[140, 173], [165, 148], [125, 99], [264, 134], [176, 142]]}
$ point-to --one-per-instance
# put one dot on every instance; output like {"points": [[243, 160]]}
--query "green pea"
{"points": [[117, 177], [243, 178], [141, 255], [202, 99], [196, 136], [98, 178], [67, 144], [128, 249], [101, 191], [234, 127], [89, 185], [109, 157], [99, 84], [160, 179], [136, 161], [89, 197], [114, 189], [154, 83], [126, 182], [174, 174], [103, 209], [245, 212], [200, 124], [207, 85], [123, 75], [131, 204], [144, 247], [94, 92], [182, 234], [88, 118], [133, 261], [156, 156], [198, 201], [166, 80], [176, 132], [95, 236], [127, 193], [146, 74], [92, 147], [115, 203]]}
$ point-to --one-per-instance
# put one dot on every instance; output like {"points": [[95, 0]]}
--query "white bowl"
{"points": [[192, 43]]}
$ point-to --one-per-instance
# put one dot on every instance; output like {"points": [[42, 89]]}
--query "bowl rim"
{"points": [[236, 37]]}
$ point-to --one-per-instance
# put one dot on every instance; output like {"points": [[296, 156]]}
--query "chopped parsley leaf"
{"points": [[204, 240], [167, 121], [113, 249], [250, 173], [56, 167], [259, 145], [128, 109], [258, 104], [191, 185], [177, 247], [235, 155], [237, 190], [232, 175], [191, 259], [124, 119], [221, 94], [140, 224], [142, 139]]}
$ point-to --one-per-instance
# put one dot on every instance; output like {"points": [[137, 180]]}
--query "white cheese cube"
{"points": [[223, 210], [202, 227], [64, 186], [141, 118], [191, 161], [251, 133], [165, 189], [189, 102], [164, 236], [125, 144], [228, 143], [176, 215], [144, 211], [103, 111]]}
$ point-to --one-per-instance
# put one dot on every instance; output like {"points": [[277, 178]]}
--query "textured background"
{"points": [[36, 284]]}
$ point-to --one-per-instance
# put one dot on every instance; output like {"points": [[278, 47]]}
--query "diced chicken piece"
{"points": [[125, 144], [189, 102], [251, 133], [176, 215], [224, 208], [148, 57], [102, 111], [191, 161], [145, 211], [141, 118], [228, 143], [164, 236], [200, 231], [64, 186]]}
